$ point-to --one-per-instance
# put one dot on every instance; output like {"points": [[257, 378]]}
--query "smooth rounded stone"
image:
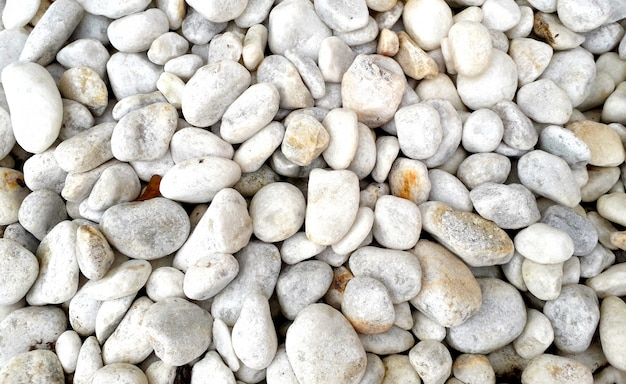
{"points": [[117, 184], [295, 25], [419, 130], [144, 134], [82, 313], [28, 86], [249, 113], [482, 168], [110, 314], [12, 43], [403, 318], [136, 32], [134, 102], [572, 64], [542, 280], [571, 271], [259, 266], [335, 58], [164, 283], [255, 12], [220, 84], [575, 302], [531, 56], [122, 280], [163, 322], [544, 244], [500, 15], [450, 303], [191, 142], [342, 128], [408, 179], [211, 369], [362, 39], [604, 38], [37, 366], [19, 268], [549, 176], [114, 10], [519, 132], [536, 337], [602, 87], [387, 149], [609, 282], [449, 190], [369, 76], [120, 372], [611, 111], [427, 22], [84, 85], [198, 180], [612, 207], [219, 13], [224, 346], [595, 262], [89, 53], [451, 126], [6, 130], [129, 228], [293, 296], [172, 88], [129, 343], [93, 252], [254, 338], [198, 30], [209, 275], [547, 368], [343, 17], [78, 185], [29, 328], [42, 171], [280, 72], [228, 223], [398, 369], [565, 144], [473, 368], [500, 320], [86, 150], [549, 27], [254, 43], [132, 73], [431, 360], [479, 242], [333, 198], [604, 143], [21, 236], [277, 211], [612, 329], [183, 66], [67, 348], [358, 232], [48, 36], [367, 305], [544, 102], [364, 159], [468, 48], [583, 17], [167, 46], [525, 25], [482, 131], [510, 206], [58, 276], [388, 43], [399, 271], [603, 227], [298, 247], [225, 46], [16, 14], [395, 340], [89, 361], [305, 139], [374, 371], [497, 82], [322, 346], [397, 222], [579, 228]]}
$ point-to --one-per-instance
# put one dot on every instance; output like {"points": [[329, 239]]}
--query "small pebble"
{"points": [[89, 361], [510, 206], [32, 367], [191, 143], [609, 282], [67, 348], [552, 369], [543, 280], [398, 368], [604, 143], [292, 295], [612, 329], [418, 121], [538, 242], [367, 305], [432, 361], [612, 206], [19, 268], [482, 168], [536, 337], [305, 139], [254, 337], [519, 132], [395, 340], [120, 372], [427, 22], [397, 223], [343, 130], [280, 72], [277, 203], [212, 369], [93, 252], [473, 368]]}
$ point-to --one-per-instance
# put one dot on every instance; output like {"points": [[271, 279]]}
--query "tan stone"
{"points": [[413, 60], [84, 85], [305, 139], [618, 239], [605, 144], [388, 43]]}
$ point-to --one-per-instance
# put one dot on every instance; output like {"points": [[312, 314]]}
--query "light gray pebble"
{"points": [[549, 176], [248, 375], [163, 323], [403, 318], [259, 266], [19, 268], [92, 26], [254, 152], [209, 275], [367, 305], [110, 314], [224, 346], [122, 280], [364, 159], [482, 131], [32, 367], [603, 39], [311, 347], [309, 72], [85, 53], [565, 144], [277, 203], [572, 64], [254, 338], [408, 179], [82, 313], [298, 247], [129, 343], [199, 30], [20, 235], [12, 42], [42, 171], [89, 361], [278, 70], [543, 280], [609, 282], [132, 73], [121, 372], [78, 185], [544, 102], [536, 336], [255, 12], [198, 180], [335, 57], [184, 66], [600, 180], [397, 222], [30, 328], [449, 190], [432, 361], [250, 183], [451, 126], [93, 252], [387, 149], [293, 22], [481, 168], [500, 320], [254, 44], [358, 233], [599, 259], [519, 132], [172, 88], [228, 222], [579, 302], [279, 371], [86, 150], [575, 225], [164, 283], [136, 101], [111, 10], [345, 17], [418, 120], [293, 295], [191, 142], [225, 46], [16, 14], [129, 228], [167, 46], [67, 348], [394, 340], [361, 37], [611, 328], [544, 244], [211, 369], [117, 184], [136, 32], [510, 206], [48, 36]]}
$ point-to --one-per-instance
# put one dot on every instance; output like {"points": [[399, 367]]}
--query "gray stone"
{"points": [[510, 206], [277, 211], [519, 132], [41, 171], [117, 184], [397, 222], [280, 72], [573, 71], [254, 338], [612, 330], [395, 340], [198, 29], [565, 144], [132, 73], [85, 53], [124, 279], [19, 268], [293, 296], [578, 227], [89, 361], [367, 305], [482, 168], [191, 143], [41, 211], [129, 343]]}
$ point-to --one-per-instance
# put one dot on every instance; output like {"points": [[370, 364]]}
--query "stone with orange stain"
{"points": [[12, 191], [334, 295], [408, 179], [603, 142], [450, 294], [479, 242], [367, 305], [553, 369], [93, 252]]}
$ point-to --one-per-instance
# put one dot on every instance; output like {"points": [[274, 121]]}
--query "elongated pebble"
{"points": [[122, 280]]}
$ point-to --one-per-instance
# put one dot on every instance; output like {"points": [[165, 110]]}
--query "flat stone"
{"points": [[293, 296], [459, 231], [531, 56], [449, 190], [129, 228], [395, 340], [552, 369], [311, 347], [255, 12], [110, 314], [537, 243], [122, 280], [343, 17], [41, 211], [499, 321], [117, 184], [343, 130], [209, 275], [167, 46], [335, 57], [544, 102], [572, 64], [191, 142], [86, 150], [89, 361], [510, 206], [575, 302]]}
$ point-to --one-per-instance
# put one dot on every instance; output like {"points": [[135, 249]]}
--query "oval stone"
{"points": [[19, 269]]}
